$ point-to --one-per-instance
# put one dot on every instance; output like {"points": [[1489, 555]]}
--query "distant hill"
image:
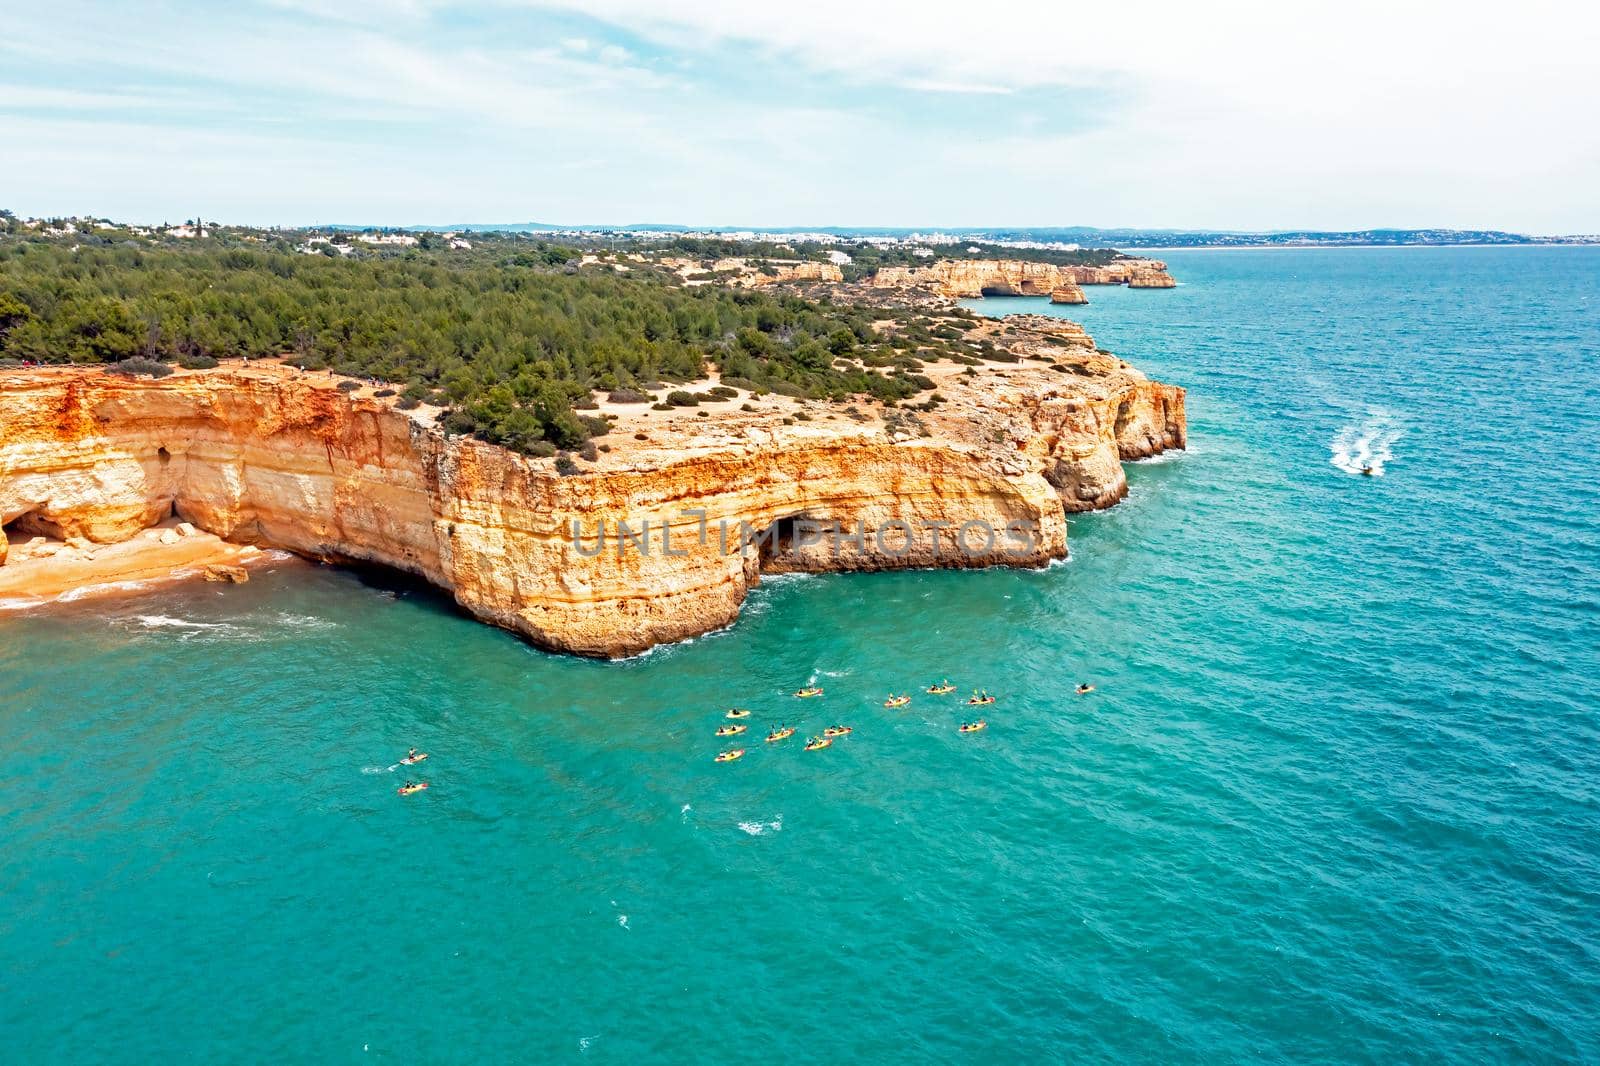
{"points": [[1137, 238], [1088, 236]]}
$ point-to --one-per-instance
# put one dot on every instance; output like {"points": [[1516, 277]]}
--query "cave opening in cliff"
{"points": [[31, 524], [1124, 416], [776, 543]]}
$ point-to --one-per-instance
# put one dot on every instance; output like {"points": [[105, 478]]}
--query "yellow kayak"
{"points": [[897, 701], [973, 727], [837, 731], [780, 734], [818, 743], [984, 702], [729, 756], [731, 730], [807, 693], [940, 690], [406, 790]]}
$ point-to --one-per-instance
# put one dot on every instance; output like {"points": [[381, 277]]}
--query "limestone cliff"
{"points": [[968, 278], [1134, 273], [756, 274], [1068, 294], [270, 457]]}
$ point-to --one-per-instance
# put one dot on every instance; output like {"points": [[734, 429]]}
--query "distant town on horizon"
{"points": [[1048, 238]]}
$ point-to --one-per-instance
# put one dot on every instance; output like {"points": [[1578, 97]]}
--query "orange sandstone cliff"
{"points": [[968, 278], [269, 457]]}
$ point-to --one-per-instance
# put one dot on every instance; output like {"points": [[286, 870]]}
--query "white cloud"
{"points": [[930, 85], [1449, 113], [1247, 115]]}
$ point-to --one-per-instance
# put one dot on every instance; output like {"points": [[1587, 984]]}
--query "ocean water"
{"points": [[1336, 796]]}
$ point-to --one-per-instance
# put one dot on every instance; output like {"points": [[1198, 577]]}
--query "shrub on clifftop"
{"points": [[139, 366]]}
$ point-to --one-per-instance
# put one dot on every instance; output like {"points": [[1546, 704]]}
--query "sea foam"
{"points": [[1367, 445]]}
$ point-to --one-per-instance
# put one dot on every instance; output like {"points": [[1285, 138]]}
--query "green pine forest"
{"points": [[511, 340]]}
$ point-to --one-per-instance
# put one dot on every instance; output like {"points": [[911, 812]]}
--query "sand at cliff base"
{"points": [[39, 571]]}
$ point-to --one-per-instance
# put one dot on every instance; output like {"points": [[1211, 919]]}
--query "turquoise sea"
{"points": [[1336, 797]]}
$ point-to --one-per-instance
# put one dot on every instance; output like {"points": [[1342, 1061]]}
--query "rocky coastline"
{"points": [[971, 278], [267, 456]]}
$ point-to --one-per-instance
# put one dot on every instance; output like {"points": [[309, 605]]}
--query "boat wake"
{"points": [[1367, 446]]}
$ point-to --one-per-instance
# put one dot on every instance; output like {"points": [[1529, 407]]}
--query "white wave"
{"points": [[104, 588], [1365, 447], [786, 577], [304, 621], [1049, 564], [21, 603], [585, 1041], [164, 621], [755, 829], [622, 920], [378, 769]]}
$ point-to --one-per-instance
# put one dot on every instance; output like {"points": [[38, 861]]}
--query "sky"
{"points": [[1246, 116]]}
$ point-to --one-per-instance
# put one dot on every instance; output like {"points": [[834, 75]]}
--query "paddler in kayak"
{"points": [[413, 757], [942, 688], [896, 701], [980, 698], [973, 727], [738, 712], [410, 787], [1085, 688], [807, 693], [837, 731], [780, 734], [818, 743], [731, 730]]}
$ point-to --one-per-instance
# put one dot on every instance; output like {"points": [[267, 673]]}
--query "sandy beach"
{"points": [[39, 570]]}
